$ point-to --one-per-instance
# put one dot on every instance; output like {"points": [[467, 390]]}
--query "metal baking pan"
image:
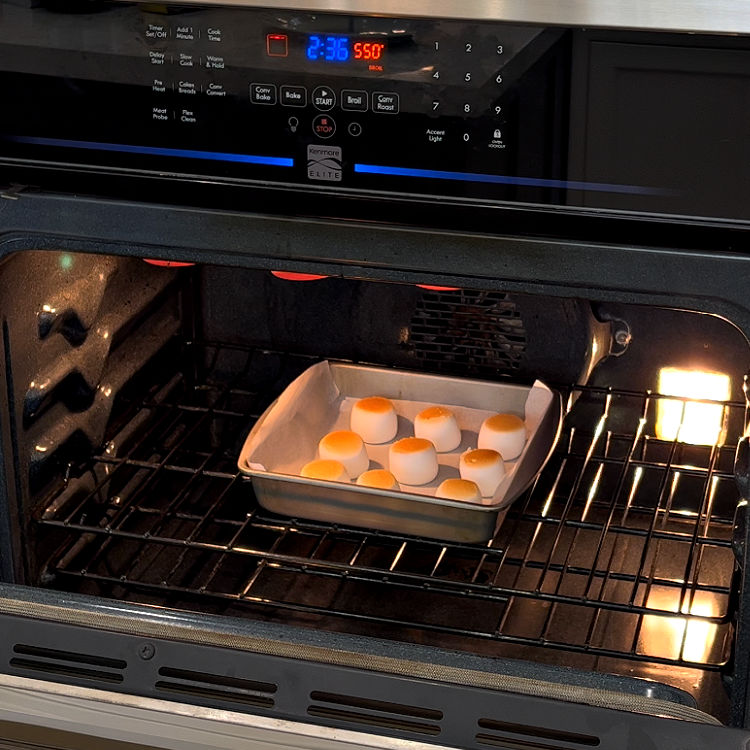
{"points": [[286, 437]]}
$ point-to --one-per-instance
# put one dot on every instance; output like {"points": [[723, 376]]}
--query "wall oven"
{"points": [[200, 200]]}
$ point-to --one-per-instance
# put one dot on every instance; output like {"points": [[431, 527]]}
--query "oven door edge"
{"points": [[352, 654]]}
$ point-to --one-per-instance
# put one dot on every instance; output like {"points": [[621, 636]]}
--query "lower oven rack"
{"points": [[622, 549]]}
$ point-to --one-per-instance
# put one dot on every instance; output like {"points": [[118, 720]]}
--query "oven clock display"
{"points": [[334, 48]]}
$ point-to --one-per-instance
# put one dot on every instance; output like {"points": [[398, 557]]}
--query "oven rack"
{"points": [[622, 549]]}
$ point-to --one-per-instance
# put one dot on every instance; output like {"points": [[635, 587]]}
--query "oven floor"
{"points": [[618, 559]]}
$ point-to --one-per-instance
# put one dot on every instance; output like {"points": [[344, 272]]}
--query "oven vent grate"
{"points": [[67, 664], [500, 734], [214, 687], [375, 713], [468, 330]]}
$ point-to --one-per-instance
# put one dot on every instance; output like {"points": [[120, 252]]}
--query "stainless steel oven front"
{"points": [[201, 200]]}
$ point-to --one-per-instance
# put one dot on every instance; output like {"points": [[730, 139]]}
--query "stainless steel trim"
{"points": [[167, 724], [709, 16], [175, 625]]}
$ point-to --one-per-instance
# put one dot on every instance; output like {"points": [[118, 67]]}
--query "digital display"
{"points": [[335, 48]]}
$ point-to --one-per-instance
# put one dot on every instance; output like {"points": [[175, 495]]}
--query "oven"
{"points": [[201, 200]]}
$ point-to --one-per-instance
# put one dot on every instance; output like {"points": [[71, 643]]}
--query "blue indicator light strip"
{"points": [[271, 161], [435, 174]]}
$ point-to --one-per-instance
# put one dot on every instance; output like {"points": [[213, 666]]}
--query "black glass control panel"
{"points": [[450, 109]]}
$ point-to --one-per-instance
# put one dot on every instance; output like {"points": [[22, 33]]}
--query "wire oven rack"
{"points": [[622, 548]]}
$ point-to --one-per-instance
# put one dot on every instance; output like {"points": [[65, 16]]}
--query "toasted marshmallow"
{"points": [[504, 433], [330, 471], [459, 489], [485, 467], [413, 461], [374, 419], [438, 425], [346, 447], [378, 478]]}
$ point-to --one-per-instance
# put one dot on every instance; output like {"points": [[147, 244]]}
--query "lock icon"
{"points": [[497, 134]]}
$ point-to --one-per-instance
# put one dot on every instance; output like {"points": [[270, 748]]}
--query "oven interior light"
{"points": [[687, 418]]}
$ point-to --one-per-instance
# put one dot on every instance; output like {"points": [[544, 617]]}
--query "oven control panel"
{"points": [[323, 100]]}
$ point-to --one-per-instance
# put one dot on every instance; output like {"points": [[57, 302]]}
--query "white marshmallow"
{"points": [[459, 489], [438, 425], [346, 447], [485, 467], [374, 419], [413, 461], [504, 433], [330, 471], [378, 478]]}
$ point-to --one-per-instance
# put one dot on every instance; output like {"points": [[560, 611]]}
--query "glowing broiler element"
{"points": [[691, 420]]}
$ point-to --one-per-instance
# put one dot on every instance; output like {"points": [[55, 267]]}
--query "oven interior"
{"points": [[131, 387]]}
